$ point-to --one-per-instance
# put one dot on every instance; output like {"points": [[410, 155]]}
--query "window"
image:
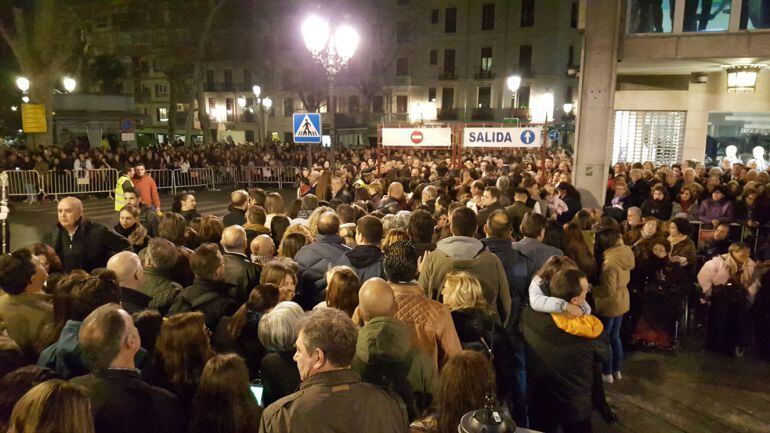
{"points": [[488, 16], [449, 61], [378, 105], [573, 15], [486, 59], [433, 57], [402, 33], [568, 94], [523, 96], [354, 104], [161, 90], [158, 66], [146, 91], [402, 103], [431, 94], [288, 107], [527, 13], [485, 97], [434, 16], [212, 105], [525, 59], [656, 136], [162, 114], [247, 78], [450, 20], [402, 66], [447, 98], [228, 76], [145, 67], [209, 77], [571, 56]]}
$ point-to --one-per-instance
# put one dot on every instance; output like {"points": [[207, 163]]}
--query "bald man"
{"points": [[385, 355], [396, 199], [80, 242], [240, 273], [128, 267], [262, 249], [315, 259], [239, 202]]}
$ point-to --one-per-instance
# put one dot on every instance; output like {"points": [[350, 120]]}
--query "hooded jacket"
{"points": [[385, 341], [314, 260], [208, 297], [461, 253], [366, 260], [611, 295], [161, 288]]}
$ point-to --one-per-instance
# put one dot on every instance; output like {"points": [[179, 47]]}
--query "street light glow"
{"points": [[23, 84], [567, 107], [346, 40], [69, 84], [242, 102], [315, 32], [25, 99], [513, 82], [14, 108], [267, 103], [257, 90]]}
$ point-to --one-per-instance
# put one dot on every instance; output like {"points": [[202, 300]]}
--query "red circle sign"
{"points": [[416, 137]]}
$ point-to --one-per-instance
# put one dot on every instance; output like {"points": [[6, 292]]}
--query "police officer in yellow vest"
{"points": [[124, 183]]}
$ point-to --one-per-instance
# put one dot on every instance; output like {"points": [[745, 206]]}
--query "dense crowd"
{"points": [[382, 299]]}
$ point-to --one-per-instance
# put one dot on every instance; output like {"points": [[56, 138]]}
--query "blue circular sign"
{"points": [[528, 136], [554, 134], [127, 125]]}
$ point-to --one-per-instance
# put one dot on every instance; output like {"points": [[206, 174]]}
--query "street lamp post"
{"points": [[333, 53], [514, 82], [268, 104]]}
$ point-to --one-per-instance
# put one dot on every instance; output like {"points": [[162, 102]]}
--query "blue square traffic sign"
{"points": [[307, 128]]}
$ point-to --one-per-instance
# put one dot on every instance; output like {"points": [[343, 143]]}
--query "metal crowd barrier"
{"points": [[738, 233], [24, 183], [193, 177], [73, 182], [226, 175], [261, 175], [164, 178]]}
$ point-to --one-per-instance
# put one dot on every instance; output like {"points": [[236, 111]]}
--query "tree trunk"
{"points": [[173, 89], [41, 92], [203, 115]]}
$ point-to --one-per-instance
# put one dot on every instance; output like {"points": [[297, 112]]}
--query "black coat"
{"points": [[483, 216], [209, 297], [235, 217], [90, 248], [247, 344], [122, 403], [241, 274], [518, 270], [280, 376], [559, 367], [133, 301], [314, 260], [658, 209]]}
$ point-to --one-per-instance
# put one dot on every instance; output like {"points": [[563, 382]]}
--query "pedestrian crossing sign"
{"points": [[307, 128]]}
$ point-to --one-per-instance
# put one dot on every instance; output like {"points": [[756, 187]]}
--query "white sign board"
{"points": [[127, 136], [502, 137], [417, 137]]}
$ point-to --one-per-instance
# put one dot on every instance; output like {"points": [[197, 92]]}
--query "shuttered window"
{"points": [[641, 136]]}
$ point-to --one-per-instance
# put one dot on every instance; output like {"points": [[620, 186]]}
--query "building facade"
{"points": [[671, 81]]}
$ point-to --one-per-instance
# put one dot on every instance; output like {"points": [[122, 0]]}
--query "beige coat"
{"points": [[611, 295]]}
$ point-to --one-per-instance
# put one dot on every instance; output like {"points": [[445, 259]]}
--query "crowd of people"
{"points": [[381, 299]]}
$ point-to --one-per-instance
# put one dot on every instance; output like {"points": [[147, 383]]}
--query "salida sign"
{"points": [[502, 137]]}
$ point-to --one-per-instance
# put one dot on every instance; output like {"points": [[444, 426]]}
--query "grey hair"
{"points": [[503, 183], [278, 328], [402, 219]]}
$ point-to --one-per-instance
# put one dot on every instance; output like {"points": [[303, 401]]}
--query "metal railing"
{"points": [[30, 183]]}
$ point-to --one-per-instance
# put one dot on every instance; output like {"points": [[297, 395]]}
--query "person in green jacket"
{"points": [[384, 354]]}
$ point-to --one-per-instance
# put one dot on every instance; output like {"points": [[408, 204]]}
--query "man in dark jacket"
{"points": [[128, 268], [385, 355], [421, 228], [716, 246], [518, 209], [121, 402], [315, 259], [366, 257], [148, 217], [561, 357], [240, 272], [331, 392], [239, 202], [79, 242], [490, 202], [208, 293], [532, 246]]}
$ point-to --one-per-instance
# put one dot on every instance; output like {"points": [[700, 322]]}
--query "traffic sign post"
{"points": [[127, 125], [307, 128], [554, 135]]}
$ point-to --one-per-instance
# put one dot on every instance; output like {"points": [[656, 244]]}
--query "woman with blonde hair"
{"points": [[394, 235], [273, 206], [181, 352], [54, 406]]}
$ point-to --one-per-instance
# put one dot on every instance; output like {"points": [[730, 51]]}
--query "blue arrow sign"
{"points": [[554, 135], [528, 136]]}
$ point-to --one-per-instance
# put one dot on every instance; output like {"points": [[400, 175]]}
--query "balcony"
{"points": [[519, 113], [447, 75], [447, 114], [401, 80], [399, 117], [483, 114], [222, 87], [483, 74]]}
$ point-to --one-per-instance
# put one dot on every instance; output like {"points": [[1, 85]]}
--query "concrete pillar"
{"points": [[599, 58]]}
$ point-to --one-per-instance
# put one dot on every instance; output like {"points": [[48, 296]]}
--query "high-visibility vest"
{"points": [[119, 200]]}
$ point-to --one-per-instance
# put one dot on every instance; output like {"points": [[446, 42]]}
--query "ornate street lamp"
{"points": [[69, 84]]}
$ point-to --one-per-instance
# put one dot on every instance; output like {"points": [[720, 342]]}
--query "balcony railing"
{"points": [[447, 76], [482, 114], [484, 74], [401, 80], [520, 113], [447, 114]]}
